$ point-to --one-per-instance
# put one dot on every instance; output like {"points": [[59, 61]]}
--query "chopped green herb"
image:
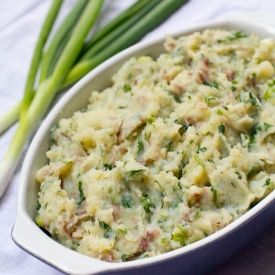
{"points": [[267, 182], [251, 141], [162, 191], [267, 126], [123, 257], [127, 87], [236, 35], [163, 241], [198, 210], [215, 195], [75, 244], [215, 84], [201, 149], [107, 234], [127, 201], [185, 127], [140, 148], [252, 98], [81, 194], [130, 175], [210, 98], [150, 119], [177, 237], [121, 107], [219, 112], [107, 166], [123, 231], [104, 225], [233, 88], [221, 128], [271, 83], [177, 98], [239, 175], [238, 98], [167, 143], [147, 203], [38, 205], [233, 184], [225, 107], [175, 203], [180, 236], [198, 160], [254, 171], [258, 128]]}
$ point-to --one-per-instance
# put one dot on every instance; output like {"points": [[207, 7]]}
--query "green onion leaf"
{"points": [[81, 194]]}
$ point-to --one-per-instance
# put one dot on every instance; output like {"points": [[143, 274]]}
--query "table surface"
{"points": [[20, 22]]}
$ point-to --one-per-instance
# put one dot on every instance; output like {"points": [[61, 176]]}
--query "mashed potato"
{"points": [[178, 148]]}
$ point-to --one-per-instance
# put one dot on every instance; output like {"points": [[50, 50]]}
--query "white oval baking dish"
{"points": [[197, 258]]}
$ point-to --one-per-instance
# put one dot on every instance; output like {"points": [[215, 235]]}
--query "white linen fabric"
{"points": [[20, 23]]}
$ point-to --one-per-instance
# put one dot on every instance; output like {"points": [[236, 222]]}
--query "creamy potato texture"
{"points": [[176, 149]]}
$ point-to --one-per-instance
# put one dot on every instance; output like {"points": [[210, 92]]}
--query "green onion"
{"points": [[127, 201], [81, 194], [221, 128], [215, 195], [120, 19], [46, 91], [198, 160], [267, 126], [140, 148], [123, 257], [10, 117], [104, 225], [42, 39], [60, 38], [147, 203]]}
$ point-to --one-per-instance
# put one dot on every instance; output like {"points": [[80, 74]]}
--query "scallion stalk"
{"points": [[60, 39], [10, 117], [42, 39], [117, 21], [46, 92]]}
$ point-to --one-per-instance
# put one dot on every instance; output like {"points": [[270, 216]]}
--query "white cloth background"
{"points": [[20, 22]]}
